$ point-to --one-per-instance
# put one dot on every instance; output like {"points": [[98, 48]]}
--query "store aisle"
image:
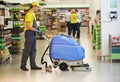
{"points": [[101, 71]]}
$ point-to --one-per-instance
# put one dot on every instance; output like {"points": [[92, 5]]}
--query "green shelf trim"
{"points": [[16, 35], [16, 38], [98, 36], [15, 10], [3, 44], [115, 56], [98, 32], [98, 46], [2, 40], [98, 41], [98, 25], [2, 47]]}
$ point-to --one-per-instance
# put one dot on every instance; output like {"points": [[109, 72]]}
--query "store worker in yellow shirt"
{"points": [[73, 19], [30, 38]]}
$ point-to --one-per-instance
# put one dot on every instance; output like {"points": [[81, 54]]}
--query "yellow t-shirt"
{"points": [[30, 16], [73, 18]]}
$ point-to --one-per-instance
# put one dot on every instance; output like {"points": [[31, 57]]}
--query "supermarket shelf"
{"points": [[7, 35], [114, 47], [7, 27], [5, 59], [8, 46]]}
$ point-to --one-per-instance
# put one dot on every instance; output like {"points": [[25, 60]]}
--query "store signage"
{"points": [[113, 3]]}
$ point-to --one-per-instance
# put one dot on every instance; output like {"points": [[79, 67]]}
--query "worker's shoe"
{"points": [[24, 68], [36, 68]]}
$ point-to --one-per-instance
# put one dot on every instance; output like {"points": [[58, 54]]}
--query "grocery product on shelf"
{"points": [[114, 46], [17, 30]]}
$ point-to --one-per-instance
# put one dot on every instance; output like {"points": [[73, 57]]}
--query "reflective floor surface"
{"points": [[102, 71]]}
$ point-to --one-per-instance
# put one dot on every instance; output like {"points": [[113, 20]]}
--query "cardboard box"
{"points": [[4, 54], [62, 27]]}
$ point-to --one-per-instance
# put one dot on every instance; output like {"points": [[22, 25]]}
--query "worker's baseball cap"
{"points": [[35, 4]]}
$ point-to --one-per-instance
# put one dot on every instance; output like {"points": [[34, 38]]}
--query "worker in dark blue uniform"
{"points": [[30, 38], [68, 22]]}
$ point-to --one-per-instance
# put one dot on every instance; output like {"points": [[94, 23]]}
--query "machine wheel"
{"points": [[63, 66], [55, 64]]}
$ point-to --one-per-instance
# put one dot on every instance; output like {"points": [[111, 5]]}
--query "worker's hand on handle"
{"points": [[39, 32]]}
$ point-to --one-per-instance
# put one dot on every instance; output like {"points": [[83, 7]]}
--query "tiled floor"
{"points": [[101, 71]]}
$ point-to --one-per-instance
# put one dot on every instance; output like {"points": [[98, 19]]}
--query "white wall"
{"points": [[108, 27], [94, 5]]}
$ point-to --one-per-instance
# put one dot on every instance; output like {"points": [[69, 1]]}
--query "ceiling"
{"points": [[68, 1]]}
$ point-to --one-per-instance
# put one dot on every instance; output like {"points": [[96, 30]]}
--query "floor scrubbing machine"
{"points": [[66, 53]]}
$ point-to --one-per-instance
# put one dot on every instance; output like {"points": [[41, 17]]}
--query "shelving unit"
{"points": [[18, 23], [46, 17], [114, 47], [98, 37], [96, 31], [5, 33], [83, 11], [5, 43]]}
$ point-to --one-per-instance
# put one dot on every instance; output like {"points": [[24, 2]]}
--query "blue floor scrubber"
{"points": [[65, 52]]}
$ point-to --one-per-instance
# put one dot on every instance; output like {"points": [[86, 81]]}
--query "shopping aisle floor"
{"points": [[101, 71]]}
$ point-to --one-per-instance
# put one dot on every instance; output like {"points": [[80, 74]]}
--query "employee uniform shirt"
{"points": [[29, 17], [73, 18]]}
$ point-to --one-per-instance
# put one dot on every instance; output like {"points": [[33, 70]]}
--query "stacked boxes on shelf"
{"points": [[5, 38], [17, 31], [114, 46], [5, 43], [4, 55], [2, 43]]}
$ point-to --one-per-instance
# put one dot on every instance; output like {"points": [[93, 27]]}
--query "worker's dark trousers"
{"points": [[29, 49], [69, 27], [78, 30], [74, 28]]}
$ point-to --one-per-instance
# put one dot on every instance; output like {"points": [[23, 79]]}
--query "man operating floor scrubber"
{"points": [[65, 52]]}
